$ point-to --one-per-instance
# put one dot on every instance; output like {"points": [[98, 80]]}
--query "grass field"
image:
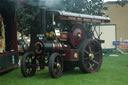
{"points": [[114, 71]]}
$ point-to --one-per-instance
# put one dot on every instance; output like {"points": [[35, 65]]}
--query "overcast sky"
{"points": [[109, 0]]}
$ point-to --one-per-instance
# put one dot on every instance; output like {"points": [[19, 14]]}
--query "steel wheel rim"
{"points": [[92, 56]]}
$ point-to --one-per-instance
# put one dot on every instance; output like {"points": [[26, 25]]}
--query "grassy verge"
{"points": [[114, 71]]}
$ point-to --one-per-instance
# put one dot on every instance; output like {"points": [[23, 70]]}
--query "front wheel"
{"points": [[28, 64], [55, 65]]}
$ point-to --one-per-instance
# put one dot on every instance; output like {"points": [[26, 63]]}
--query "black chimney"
{"points": [[43, 21]]}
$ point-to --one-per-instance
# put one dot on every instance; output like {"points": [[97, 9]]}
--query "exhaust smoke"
{"points": [[52, 4]]}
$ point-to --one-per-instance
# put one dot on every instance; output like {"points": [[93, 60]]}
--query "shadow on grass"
{"points": [[74, 71], [6, 72], [39, 75], [45, 74]]}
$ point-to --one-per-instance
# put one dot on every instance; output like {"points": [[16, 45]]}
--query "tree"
{"points": [[78, 6], [92, 7], [26, 21], [122, 2]]}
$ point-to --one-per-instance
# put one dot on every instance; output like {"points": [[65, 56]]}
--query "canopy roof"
{"points": [[81, 17]]}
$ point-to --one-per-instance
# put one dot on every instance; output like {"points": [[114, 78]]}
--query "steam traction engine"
{"points": [[63, 44]]}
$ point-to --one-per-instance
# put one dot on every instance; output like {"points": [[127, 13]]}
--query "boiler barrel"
{"points": [[41, 47]]}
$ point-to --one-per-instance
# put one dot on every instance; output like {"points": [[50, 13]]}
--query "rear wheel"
{"points": [[55, 65], [28, 64], [90, 58]]}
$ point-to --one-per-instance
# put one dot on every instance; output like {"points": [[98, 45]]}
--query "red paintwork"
{"points": [[5, 62], [57, 47], [8, 53], [75, 39], [41, 45], [14, 33], [69, 55], [9, 68], [64, 36]]}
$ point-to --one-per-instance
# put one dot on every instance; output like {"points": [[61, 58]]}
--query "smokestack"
{"points": [[43, 20]]}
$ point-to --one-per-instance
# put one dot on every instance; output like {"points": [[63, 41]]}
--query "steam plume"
{"points": [[51, 3]]}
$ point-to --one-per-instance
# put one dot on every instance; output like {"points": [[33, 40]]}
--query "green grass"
{"points": [[114, 71]]}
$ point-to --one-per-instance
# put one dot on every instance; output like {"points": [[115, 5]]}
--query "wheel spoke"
{"points": [[95, 62], [33, 57], [29, 65], [57, 60], [30, 60], [90, 49], [56, 68], [85, 51], [86, 58], [27, 60], [27, 70], [90, 66]]}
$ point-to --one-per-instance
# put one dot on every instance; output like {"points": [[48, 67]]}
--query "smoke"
{"points": [[53, 4]]}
